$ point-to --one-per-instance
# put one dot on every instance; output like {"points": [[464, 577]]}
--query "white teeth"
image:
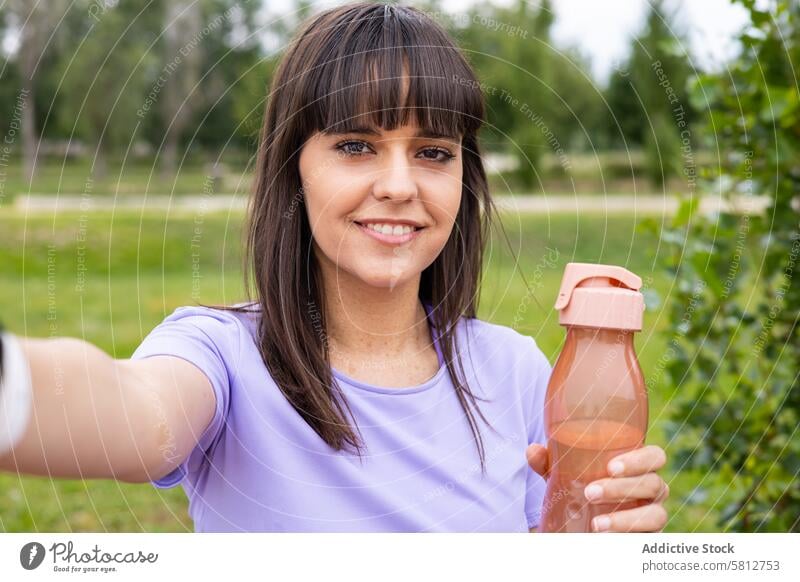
{"points": [[388, 229]]}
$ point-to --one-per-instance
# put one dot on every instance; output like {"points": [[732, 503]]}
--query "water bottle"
{"points": [[596, 403]]}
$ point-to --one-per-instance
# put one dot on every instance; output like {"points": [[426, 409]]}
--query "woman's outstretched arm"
{"points": [[95, 417]]}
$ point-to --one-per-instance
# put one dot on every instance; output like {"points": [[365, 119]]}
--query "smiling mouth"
{"points": [[389, 228], [391, 234]]}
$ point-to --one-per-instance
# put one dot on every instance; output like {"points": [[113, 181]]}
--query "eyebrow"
{"points": [[430, 134]]}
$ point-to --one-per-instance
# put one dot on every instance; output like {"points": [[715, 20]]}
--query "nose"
{"points": [[395, 181]]}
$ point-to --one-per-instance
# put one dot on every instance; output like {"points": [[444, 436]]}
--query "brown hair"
{"points": [[343, 66]]}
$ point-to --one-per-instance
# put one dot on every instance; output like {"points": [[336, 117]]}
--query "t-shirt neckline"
{"points": [[429, 383]]}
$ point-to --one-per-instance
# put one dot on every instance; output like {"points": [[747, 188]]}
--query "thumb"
{"points": [[538, 459]]}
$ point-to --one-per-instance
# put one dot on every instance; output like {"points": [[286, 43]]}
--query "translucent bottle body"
{"points": [[596, 408]]}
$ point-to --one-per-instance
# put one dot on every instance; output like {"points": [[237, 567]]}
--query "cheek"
{"points": [[327, 191], [444, 202], [329, 202]]}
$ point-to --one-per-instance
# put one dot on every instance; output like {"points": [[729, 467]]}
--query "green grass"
{"points": [[138, 268], [122, 178]]}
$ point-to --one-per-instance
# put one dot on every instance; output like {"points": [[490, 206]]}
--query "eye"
{"points": [[437, 155], [351, 147]]}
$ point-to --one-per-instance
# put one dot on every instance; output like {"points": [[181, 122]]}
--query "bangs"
{"points": [[387, 67]]}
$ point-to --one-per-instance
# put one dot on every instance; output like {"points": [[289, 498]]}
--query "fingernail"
{"points": [[616, 467], [601, 523], [593, 492]]}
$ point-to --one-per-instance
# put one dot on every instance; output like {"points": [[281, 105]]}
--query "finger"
{"points": [[620, 489], [637, 462], [663, 494], [538, 459], [649, 518]]}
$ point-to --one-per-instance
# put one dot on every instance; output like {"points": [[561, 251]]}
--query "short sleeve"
{"points": [[535, 486], [209, 339]]}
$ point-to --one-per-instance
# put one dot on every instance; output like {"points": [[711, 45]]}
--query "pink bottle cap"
{"points": [[604, 296]]}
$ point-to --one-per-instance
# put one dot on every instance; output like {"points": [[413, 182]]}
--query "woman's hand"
{"points": [[633, 478]]}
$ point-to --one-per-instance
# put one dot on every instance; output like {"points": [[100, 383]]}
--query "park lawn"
{"points": [[131, 177], [111, 277]]}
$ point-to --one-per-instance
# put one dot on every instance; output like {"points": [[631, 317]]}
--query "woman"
{"points": [[356, 391]]}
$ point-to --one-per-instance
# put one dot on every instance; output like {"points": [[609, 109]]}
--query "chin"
{"points": [[385, 280]]}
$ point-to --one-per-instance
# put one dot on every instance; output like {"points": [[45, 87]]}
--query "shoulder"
{"points": [[503, 361], [220, 330], [504, 343], [210, 318], [509, 368]]}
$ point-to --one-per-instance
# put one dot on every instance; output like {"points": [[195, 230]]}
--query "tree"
{"points": [[624, 119], [540, 98], [534, 130], [736, 353], [648, 94], [213, 94], [10, 101], [35, 23], [183, 58], [108, 75]]}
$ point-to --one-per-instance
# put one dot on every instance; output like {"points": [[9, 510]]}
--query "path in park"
{"points": [[539, 204]]}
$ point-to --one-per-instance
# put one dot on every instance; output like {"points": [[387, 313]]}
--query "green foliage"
{"points": [[540, 97], [734, 314], [645, 95], [107, 71], [104, 77], [661, 149], [234, 77]]}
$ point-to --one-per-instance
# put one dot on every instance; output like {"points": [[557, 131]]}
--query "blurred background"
{"points": [[658, 135]]}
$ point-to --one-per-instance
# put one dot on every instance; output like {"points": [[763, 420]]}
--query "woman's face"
{"points": [[381, 204]]}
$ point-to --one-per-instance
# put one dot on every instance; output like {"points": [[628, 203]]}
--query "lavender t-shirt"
{"points": [[259, 467]]}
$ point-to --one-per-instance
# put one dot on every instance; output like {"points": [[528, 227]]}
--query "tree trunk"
{"points": [[169, 155], [100, 169], [36, 21], [30, 143], [180, 97]]}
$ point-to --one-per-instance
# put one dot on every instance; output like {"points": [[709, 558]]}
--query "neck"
{"points": [[361, 319]]}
